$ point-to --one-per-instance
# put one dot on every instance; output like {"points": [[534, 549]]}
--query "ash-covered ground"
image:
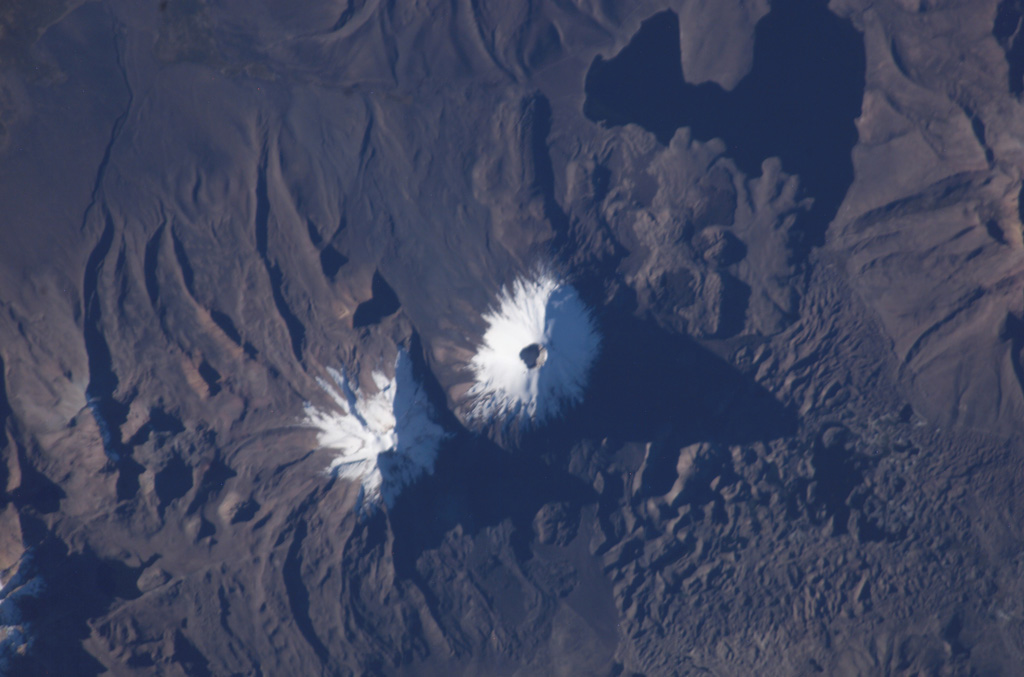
{"points": [[259, 415]]}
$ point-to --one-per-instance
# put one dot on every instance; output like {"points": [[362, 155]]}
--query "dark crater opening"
{"points": [[798, 102], [533, 355], [383, 303]]}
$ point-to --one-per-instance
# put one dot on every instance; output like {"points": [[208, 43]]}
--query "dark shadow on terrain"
{"points": [[192, 661], [331, 261], [1007, 31], [210, 376], [659, 475], [653, 385], [150, 263], [109, 412], [172, 482], [475, 484], [5, 414], [735, 301], [837, 472], [246, 511], [77, 587], [539, 112], [227, 326], [837, 492], [1013, 331], [296, 330], [128, 473], [117, 580], [159, 421], [35, 490], [298, 595], [187, 273], [383, 303], [649, 383], [978, 127], [215, 476], [798, 102]]}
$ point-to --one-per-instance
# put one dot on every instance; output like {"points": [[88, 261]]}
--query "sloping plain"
{"points": [[800, 231]]}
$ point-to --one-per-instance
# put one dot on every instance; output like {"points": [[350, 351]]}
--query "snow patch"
{"points": [[386, 440], [535, 356]]}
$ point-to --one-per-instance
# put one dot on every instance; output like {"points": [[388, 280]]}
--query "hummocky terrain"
{"points": [[798, 228]]}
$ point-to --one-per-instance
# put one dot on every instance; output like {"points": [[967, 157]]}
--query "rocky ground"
{"points": [[798, 226]]}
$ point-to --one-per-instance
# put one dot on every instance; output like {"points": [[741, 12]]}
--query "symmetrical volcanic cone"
{"points": [[535, 356]]}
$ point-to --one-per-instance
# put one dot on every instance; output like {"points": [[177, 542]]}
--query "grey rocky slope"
{"points": [[799, 228]]}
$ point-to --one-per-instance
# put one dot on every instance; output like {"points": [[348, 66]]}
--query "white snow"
{"points": [[386, 440], [536, 353]]}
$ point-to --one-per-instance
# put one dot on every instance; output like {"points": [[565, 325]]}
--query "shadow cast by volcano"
{"points": [[650, 383]]}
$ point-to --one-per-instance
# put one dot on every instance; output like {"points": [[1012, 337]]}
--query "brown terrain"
{"points": [[799, 226]]}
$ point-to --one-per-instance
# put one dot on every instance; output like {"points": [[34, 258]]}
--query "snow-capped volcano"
{"points": [[536, 353], [386, 440]]}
